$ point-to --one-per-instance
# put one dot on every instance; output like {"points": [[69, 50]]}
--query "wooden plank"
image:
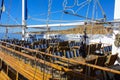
{"points": [[25, 70], [3, 76], [39, 60]]}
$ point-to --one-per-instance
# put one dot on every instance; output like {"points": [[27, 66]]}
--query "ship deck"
{"points": [[20, 63]]}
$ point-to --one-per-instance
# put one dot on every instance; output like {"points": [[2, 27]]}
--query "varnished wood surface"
{"points": [[3, 76], [24, 69]]}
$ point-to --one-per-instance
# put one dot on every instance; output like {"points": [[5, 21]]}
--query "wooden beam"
{"points": [[23, 68]]}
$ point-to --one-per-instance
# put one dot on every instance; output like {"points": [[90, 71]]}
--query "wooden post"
{"points": [[7, 70], [16, 75]]}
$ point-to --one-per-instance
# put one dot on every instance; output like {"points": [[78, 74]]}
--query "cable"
{"points": [[44, 20], [65, 2], [48, 16], [46, 13], [12, 18], [88, 10], [82, 2], [103, 13], [81, 7]]}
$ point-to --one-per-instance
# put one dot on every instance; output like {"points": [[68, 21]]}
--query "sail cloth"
{"points": [[26, 10], [2, 8]]}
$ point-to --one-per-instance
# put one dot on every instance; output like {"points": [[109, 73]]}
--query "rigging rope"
{"points": [[12, 18], [49, 11], [43, 14], [88, 10], [44, 20], [81, 3], [93, 12], [9, 8], [87, 2], [103, 13], [65, 2]]}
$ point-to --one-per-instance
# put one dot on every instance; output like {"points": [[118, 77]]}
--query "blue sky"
{"points": [[37, 9]]}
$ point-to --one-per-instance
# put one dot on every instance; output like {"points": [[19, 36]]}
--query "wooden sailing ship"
{"points": [[55, 59]]}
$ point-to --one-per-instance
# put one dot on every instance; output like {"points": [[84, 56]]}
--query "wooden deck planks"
{"points": [[3, 76], [24, 69]]}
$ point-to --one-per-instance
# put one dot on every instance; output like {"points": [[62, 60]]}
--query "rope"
{"points": [[48, 16], [82, 2], [60, 20], [12, 18], [82, 6], [93, 13], [87, 11], [9, 7], [44, 14], [44, 20], [49, 11], [103, 13], [65, 2]]}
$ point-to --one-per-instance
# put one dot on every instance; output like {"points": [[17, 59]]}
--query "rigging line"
{"points": [[103, 13], [44, 20], [70, 10], [50, 12], [96, 13], [81, 3], [77, 15], [18, 7], [93, 12], [61, 19], [65, 2], [88, 10], [81, 7], [48, 16], [12, 18], [6, 35], [87, 18], [9, 9]]}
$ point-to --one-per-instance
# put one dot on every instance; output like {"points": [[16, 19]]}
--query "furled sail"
{"points": [[2, 8]]}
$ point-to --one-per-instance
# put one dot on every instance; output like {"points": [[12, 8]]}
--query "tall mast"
{"points": [[116, 28], [117, 10], [23, 20]]}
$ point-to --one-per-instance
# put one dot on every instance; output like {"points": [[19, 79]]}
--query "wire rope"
{"points": [[81, 6], [12, 18], [65, 2]]}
